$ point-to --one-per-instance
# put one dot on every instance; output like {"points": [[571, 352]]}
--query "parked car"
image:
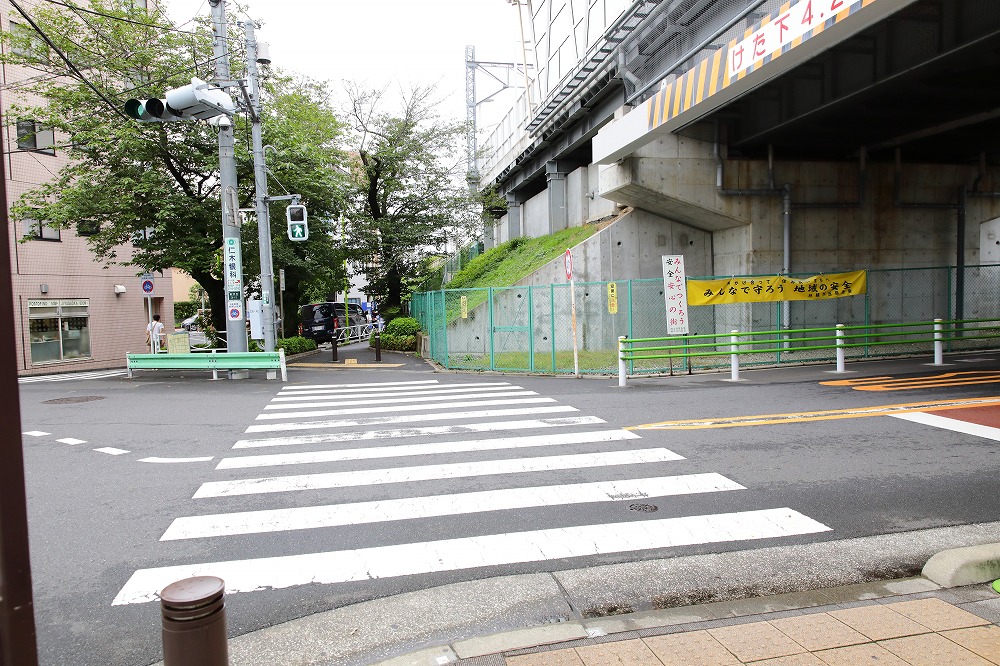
{"points": [[319, 321], [190, 324]]}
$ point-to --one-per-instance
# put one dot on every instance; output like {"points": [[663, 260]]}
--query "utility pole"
{"points": [[261, 200], [236, 333]]}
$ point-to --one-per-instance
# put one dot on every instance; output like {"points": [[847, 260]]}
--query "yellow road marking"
{"points": [[909, 383], [821, 415]]}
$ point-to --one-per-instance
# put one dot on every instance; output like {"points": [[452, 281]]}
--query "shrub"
{"points": [[184, 309], [391, 312], [295, 345], [402, 326], [396, 342]]}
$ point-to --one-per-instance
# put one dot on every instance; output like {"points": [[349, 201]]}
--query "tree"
{"points": [[410, 193], [148, 193]]}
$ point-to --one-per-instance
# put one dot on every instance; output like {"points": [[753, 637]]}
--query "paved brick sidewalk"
{"points": [[921, 632]]}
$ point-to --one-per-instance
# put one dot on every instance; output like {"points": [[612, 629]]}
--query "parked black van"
{"points": [[320, 321]]}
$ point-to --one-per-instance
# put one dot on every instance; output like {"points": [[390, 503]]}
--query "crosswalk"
{"points": [[73, 376], [324, 458]]}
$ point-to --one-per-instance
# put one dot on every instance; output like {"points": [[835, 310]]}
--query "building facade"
{"points": [[71, 313]]}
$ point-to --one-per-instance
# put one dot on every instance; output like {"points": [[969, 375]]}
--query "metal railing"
{"points": [[921, 336]]}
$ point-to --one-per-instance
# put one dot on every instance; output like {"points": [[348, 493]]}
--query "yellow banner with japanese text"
{"points": [[767, 288]]}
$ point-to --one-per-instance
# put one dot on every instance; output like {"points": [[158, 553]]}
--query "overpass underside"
{"points": [[871, 140]]}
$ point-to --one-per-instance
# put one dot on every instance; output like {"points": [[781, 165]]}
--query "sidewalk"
{"points": [[859, 624]]}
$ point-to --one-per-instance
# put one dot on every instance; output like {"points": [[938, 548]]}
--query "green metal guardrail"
{"points": [[933, 334], [212, 361]]}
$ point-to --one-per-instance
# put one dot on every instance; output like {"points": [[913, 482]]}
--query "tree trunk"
{"points": [[215, 291], [394, 287]]}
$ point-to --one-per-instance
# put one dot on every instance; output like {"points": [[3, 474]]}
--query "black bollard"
{"points": [[333, 343], [378, 347], [194, 622]]}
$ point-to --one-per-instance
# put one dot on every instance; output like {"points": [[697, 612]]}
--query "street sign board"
{"points": [[148, 285], [569, 265]]}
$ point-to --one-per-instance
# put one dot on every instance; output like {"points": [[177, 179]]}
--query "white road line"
{"points": [[71, 441], [468, 552], [110, 450], [955, 425], [560, 439], [393, 390], [397, 433], [409, 508], [335, 402], [36, 433], [280, 484], [175, 460], [350, 386], [411, 418], [97, 374], [402, 408]]}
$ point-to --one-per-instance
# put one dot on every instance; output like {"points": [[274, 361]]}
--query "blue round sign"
{"points": [[147, 286], [234, 313]]}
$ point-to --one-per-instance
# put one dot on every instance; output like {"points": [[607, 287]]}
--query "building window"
{"points": [[88, 228], [26, 43], [59, 330], [37, 230], [31, 136], [141, 4]]}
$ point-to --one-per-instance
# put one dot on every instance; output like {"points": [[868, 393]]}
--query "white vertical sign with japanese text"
{"points": [[675, 294], [234, 279]]}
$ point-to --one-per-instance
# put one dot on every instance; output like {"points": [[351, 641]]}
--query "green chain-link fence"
{"points": [[529, 329]]}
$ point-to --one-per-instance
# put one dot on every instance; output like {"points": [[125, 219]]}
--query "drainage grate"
{"points": [[645, 508], [78, 398]]}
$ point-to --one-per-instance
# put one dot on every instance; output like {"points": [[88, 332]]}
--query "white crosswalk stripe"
{"points": [[74, 376], [467, 552], [545, 476]]}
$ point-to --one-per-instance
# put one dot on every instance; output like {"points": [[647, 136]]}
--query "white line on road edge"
{"points": [[397, 433], [409, 508], [349, 386], [955, 425], [280, 484], [468, 552], [36, 433], [337, 402], [429, 448], [175, 460], [392, 390], [411, 418], [402, 408], [112, 451]]}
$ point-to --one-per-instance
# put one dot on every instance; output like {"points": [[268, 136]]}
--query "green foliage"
{"points": [[185, 309], [151, 191], [505, 264], [409, 194], [295, 345], [391, 312], [402, 326], [398, 342]]}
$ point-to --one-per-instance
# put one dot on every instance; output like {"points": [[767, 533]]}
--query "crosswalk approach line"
{"points": [[419, 431], [365, 564], [401, 450], [410, 418], [280, 484], [411, 508]]}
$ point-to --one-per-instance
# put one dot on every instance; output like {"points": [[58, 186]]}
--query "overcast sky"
{"points": [[394, 42]]}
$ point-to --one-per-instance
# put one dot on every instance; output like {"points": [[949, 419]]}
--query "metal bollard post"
{"points": [[734, 359], [194, 622], [840, 348], [378, 347], [333, 344], [622, 369], [938, 345], [215, 371]]}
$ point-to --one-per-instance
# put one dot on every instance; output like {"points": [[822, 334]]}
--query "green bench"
{"points": [[209, 361]]}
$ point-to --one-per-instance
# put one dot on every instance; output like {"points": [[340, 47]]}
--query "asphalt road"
{"points": [[97, 516]]}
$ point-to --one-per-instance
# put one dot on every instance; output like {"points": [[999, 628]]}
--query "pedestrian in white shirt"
{"points": [[154, 334]]}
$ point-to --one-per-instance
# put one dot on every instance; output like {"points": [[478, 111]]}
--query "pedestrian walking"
{"points": [[154, 334]]}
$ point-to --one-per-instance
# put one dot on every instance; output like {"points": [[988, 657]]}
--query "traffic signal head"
{"points": [[152, 111], [298, 222], [197, 101]]}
